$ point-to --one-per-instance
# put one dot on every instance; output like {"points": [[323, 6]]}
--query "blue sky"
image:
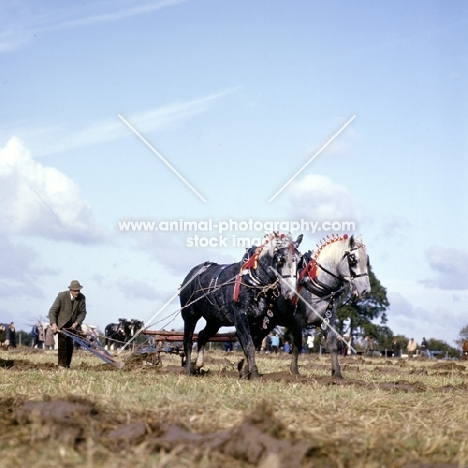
{"points": [[237, 97]]}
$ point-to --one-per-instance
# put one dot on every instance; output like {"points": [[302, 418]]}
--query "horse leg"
{"points": [[245, 339], [242, 369], [203, 337], [189, 327], [333, 350], [296, 331]]}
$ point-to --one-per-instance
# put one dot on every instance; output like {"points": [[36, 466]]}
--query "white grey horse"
{"points": [[338, 261]]}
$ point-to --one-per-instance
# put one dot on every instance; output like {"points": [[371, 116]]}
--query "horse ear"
{"points": [[298, 240], [355, 242]]}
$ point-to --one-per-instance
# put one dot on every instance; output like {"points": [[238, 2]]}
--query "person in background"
{"points": [[2, 335], [41, 337], [35, 335], [310, 343], [49, 338], [10, 336], [424, 350], [68, 311], [275, 342], [287, 347], [411, 348], [396, 348]]}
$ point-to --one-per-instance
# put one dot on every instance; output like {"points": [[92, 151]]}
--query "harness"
{"points": [[247, 276], [310, 274], [246, 269]]}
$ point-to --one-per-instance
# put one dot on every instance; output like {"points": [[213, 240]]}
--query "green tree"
{"points": [[434, 344], [363, 312], [23, 338]]}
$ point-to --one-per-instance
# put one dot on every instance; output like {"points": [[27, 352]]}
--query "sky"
{"points": [[190, 111]]}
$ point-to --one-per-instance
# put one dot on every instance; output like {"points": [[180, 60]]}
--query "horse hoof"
{"points": [[337, 375], [255, 376]]}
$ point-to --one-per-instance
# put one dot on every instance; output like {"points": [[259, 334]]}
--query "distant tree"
{"points": [[23, 338], [362, 312], [382, 334], [434, 344], [463, 336]]}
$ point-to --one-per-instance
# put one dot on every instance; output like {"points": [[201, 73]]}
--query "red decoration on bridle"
{"points": [[311, 269], [251, 263]]}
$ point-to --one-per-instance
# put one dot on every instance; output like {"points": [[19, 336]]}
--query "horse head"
{"points": [[357, 266], [135, 326], [279, 253], [339, 259]]}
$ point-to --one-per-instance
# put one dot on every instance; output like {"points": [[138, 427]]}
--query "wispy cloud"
{"points": [[22, 21], [54, 139]]}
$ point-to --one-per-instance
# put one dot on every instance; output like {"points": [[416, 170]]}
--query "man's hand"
{"points": [[74, 326], [54, 328]]}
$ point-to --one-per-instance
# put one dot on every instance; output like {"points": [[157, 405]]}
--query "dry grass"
{"points": [[384, 413]]}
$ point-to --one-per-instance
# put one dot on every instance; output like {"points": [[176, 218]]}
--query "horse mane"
{"points": [[331, 248], [262, 250], [269, 238]]}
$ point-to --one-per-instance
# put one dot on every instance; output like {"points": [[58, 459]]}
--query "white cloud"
{"points": [[450, 266], [39, 200], [318, 198], [19, 270], [442, 323], [52, 139]]}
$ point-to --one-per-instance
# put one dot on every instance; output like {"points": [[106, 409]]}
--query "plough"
{"points": [[159, 338]]}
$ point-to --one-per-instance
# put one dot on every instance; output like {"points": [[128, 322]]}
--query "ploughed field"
{"points": [[385, 413]]}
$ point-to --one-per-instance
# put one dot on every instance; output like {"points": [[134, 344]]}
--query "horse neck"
{"points": [[263, 272], [330, 258], [312, 307]]}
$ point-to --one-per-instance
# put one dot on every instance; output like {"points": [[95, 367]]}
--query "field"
{"points": [[385, 413]]}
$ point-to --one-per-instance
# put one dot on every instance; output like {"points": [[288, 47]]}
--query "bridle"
{"points": [[251, 265], [309, 275]]}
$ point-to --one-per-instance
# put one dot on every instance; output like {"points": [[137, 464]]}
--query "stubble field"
{"points": [[385, 413]]}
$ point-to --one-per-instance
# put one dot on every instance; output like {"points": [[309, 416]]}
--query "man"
{"points": [[423, 347], [275, 342], [411, 348], [68, 311], [396, 348]]}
